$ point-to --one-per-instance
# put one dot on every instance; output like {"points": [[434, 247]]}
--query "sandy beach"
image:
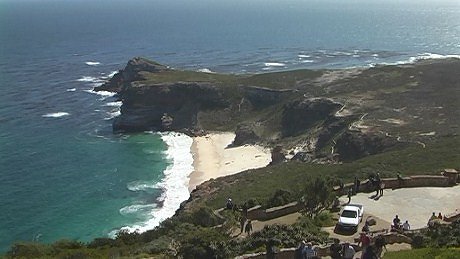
{"points": [[213, 159]]}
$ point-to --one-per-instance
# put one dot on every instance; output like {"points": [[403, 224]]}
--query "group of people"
{"points": [[245, 223], [377, 184], [398, 226], [341, 251], [434, 218], [305, 250]]}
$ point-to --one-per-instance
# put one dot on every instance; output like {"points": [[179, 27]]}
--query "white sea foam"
{"points": [[307, 61], [423, 56], [141, 186], [71, 90], [136, 208], [56, 115], [104, 94], [274, 64], [92, 63], [205, 70], [303, 56], [113, 114], [90, 79], [174, 184], [105, 77], [114, 104]]}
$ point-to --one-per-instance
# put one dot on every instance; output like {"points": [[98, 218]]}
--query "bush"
{"points": [[279, 198]]}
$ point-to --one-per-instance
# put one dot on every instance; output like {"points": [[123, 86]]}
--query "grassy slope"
{"points": [[425, 253], [260, 184]]}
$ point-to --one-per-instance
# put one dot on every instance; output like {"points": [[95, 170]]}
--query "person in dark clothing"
{"points": [[242, 222], [248, 228], [350, 193], [336, 250], [299, 252], [380, 243]]}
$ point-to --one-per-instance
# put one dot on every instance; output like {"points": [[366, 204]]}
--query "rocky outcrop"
{"points": [[166, 107], [277, 155], [244, 134], [299, 116], [355, 144], [261, 97], [132, 72]]}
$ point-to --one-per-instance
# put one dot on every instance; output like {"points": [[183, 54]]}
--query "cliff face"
{"points": [[326, 115], [166, 107]]}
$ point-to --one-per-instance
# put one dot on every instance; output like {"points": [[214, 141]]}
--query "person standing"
{"points": [[406, 226], [310, 252], [248, 228], [350, 193], [242, 222], [365, 241], [336, 249], [348, 251]]}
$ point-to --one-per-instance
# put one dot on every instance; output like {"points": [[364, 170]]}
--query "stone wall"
{"points": [[405, 182], [257, 213]]}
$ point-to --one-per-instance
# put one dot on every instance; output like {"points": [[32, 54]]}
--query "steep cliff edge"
{"points": [[326, 114]]}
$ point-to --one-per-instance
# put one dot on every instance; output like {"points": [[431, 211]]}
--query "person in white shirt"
{"points": [[406, 226]]}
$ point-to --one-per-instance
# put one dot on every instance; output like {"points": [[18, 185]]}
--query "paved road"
{"points": [[413, 204]]}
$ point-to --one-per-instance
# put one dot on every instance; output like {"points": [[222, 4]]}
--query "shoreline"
{"points": [[212, 158]]}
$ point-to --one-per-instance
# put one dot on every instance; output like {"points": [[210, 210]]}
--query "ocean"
{"points": [[64, 174]]}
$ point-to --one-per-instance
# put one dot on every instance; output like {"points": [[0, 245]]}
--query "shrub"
{"points": [[279, 198]]}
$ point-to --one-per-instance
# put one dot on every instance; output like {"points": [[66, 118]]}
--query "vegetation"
{"points": [[425, 253], [262, 184]]}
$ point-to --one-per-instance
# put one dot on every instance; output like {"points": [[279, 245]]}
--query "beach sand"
{"points": [[213, 159]]}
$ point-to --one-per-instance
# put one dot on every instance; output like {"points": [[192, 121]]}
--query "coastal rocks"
{"points": [[261, 97], [132, 72], [244, 134], [301, 115], [277, 155], [163, 107]]}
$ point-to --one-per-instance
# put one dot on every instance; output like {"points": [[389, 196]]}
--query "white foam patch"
{"points": [[303, 56], [104, 94], [137, 208], [274, 64], [56, 115], [90, 79], [307, 61], [71, 90], [92, 63], [113, 114], [423, 56], [105, 77], [174, 184], [137, 186], [114, 104]]}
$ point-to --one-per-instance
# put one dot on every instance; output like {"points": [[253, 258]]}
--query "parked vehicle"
{"points": [[350, 217]]}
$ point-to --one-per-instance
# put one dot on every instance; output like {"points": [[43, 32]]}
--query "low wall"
{"points": [[405, 182], [288, 253], [257, 213]]}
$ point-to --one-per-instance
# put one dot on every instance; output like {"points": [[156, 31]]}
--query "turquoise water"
{"points": [[63, 174]]}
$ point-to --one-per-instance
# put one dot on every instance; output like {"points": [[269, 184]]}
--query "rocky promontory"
{"points": [[323, 115]]}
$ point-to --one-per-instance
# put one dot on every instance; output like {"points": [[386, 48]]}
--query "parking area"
{"points": [[413, 204]]}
